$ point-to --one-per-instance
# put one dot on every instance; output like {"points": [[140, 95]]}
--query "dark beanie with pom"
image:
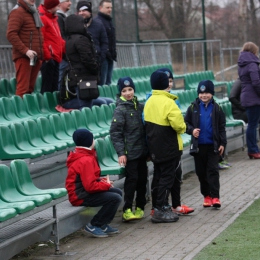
{"points": [[83, 137]]}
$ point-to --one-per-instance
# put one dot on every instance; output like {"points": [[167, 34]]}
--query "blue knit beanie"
{"points": [[159, 80], [125, 82], [167, 71], [206, 86], [83, 137]]}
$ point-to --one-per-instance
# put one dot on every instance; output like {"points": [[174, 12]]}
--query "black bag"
{"points": [[88, 89]]}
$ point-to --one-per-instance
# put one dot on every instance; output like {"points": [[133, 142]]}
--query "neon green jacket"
{"points": [[164, 123]]}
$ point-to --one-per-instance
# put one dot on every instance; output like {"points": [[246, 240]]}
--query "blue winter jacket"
{"points": [[249, 74]]}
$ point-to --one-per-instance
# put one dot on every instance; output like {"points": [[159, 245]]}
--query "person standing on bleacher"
{"points": [[86, 188], [24, 33]]}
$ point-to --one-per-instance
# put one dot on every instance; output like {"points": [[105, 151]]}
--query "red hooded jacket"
{"points": [[53, 44], [83, 176]]}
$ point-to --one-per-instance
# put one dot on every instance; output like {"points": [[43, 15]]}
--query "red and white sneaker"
{"points": [[207, 202], [152, 212], [183, 210], [216, 203]]}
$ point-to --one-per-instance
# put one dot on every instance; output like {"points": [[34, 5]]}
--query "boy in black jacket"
{"points": [[206, 123], [128, 137]]}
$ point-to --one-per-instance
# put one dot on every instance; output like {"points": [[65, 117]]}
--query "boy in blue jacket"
{"points": [[206, 122]]}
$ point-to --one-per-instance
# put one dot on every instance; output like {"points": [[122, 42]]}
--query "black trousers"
{"points": [[175, 189], [164, 182], [206, 166], [135, 181], [50, 76]]}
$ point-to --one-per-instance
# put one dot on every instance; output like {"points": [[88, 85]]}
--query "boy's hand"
{"points": [[221, 149], [122, 160], [196, 132]]}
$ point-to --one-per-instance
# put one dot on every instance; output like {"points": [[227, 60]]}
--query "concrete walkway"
{"points": [[143, 240]]}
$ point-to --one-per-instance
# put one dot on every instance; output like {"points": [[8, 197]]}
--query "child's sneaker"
{"points": [[128, 215], [109, 230], [216, 203], [139, 213], [183, 210], [207, 202], [95, 231]]}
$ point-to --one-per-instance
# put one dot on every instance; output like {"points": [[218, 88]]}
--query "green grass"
{"points": [[241, 240]]}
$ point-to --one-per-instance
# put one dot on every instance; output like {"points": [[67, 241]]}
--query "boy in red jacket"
{"points": [[86, 188]]}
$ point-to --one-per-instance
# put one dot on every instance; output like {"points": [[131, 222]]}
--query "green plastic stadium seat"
{"points": [[108, 113], [20, 207], [68, 123], [91, 123], [38, 84], [9, 193], [19, 107], [59, 131], [4, 88], [33, 107], [111, 148], [34, 137], [47, 134], [8, 110], [20, 139], [107, 165], [24, 184], [12, 89], [6, 214], [100, 118], [8, 150]]}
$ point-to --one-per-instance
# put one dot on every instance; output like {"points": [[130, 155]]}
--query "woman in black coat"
{"points": [[81, 54]]}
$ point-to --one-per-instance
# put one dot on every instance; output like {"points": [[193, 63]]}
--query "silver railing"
{"points": [[185, 57]]}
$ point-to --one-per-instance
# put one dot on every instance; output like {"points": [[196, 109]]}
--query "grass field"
{"points": [[241, 240]]}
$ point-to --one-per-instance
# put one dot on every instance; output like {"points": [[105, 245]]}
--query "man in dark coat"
{"points": [[104, 15]]}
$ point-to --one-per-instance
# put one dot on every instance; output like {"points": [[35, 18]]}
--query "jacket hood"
{"points": [[163, 92], [79, 153], [74, 24], [246, 58]]}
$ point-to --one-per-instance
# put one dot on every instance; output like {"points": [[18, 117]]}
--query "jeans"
{"points": [[108, 200], [63, 65], [253, 115], [102, 101], [106, 72], [135, 180], [50, 76], [206, 166], [77, 103]]}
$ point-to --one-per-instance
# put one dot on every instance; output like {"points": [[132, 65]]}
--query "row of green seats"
{"points": [[8, 87], [192, 79], [18, 194], [47, 135], [31, 106]]}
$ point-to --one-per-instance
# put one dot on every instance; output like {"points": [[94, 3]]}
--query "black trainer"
{"points": [[164, 216]]}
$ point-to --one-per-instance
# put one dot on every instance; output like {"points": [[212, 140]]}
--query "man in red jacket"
{"points": [[86, 188], [53, 45], [24, 33]]}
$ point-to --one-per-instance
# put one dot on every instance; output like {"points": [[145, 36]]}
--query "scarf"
{"points": [[35, 14]]}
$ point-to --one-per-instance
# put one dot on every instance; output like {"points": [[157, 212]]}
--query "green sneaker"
{"points": [[128, 215], [139, 213]]}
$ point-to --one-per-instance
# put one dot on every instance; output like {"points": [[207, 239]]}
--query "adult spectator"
{"points": [[24, 33], [81, 54], [53, 45], [104, 15], [64, 7], [238, 111], [248, 71], [99, 36]]}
